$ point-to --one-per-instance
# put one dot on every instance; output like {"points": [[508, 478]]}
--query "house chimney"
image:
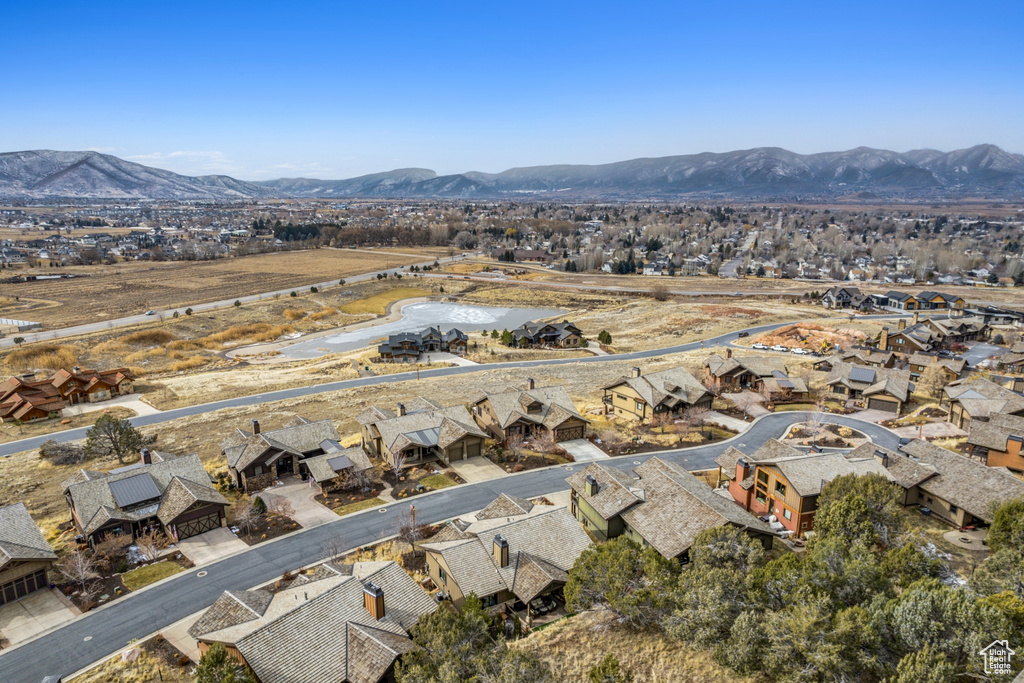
{"points": [[636, 372], [916, 316], [373, 600], [883, 341], [500, 551], [742, 469], [728, 353], [77, 369], [401, 409], [255, 426], [529, 384], [902, 324], [591, 485], [147, 458], [882, 457]]}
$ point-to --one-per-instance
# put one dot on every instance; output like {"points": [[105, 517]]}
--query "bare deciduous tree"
{"points": [[62, 453], [404, 527], [333, 547], [79, 567], [514, 445], [398, 463], [280, 507], [150, 544], [246, 515]]}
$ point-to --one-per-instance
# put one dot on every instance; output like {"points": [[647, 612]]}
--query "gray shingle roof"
{"points": [[181, 494], [762, 366], [326, 467], [439, 427], [613, 489], [505, 506], [665, 386], [995, 433], [20, 538], [891, 381], [969, 485], [984, 398], [555, 406], [304, 437]]}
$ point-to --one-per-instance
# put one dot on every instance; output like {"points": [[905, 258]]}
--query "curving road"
{"points": [[99, 633], [146, 420]]}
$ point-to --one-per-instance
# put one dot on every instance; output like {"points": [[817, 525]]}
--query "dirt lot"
{"points": [[825, 336], [105, 292]]}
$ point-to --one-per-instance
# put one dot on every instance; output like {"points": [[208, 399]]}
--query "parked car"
{"points": [[150, 312], [743, 334], [780, 347], [760, 347], [801, 351], [945, 353]]}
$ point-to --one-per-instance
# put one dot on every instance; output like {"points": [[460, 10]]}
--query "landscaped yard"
{"points": [[437, 481], [151, 573], [358, 505]]}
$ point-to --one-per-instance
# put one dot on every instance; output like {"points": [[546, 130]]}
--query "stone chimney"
{"points": [[636, 372], [373, 600], [902, 324], [500, 551], [530, 384], [742, 469], [883, 341], [147, 457], [255, 426], [882, 457], [728, 353], [591, 487], [917, 315], [401, 409]]}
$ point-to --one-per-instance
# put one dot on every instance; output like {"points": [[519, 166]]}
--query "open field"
{"points": [[572, 646], [105, 292], [378, 304]]}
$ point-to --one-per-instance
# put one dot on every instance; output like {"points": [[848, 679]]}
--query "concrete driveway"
{"points": [[931, 430], [211, 546], [478, 469], [582, 450], [299, 494], [130, 401], [875, 416], [35, 613]]}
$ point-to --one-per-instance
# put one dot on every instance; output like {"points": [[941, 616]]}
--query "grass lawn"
{"points": [[356, 507], [151, 573], [789, 407], [377, 304], [437, 481]]}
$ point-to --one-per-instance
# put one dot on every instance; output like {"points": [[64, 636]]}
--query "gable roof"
{"points": [[244, 448], [996, 432], [963, 482], [614, 489], [440, 427], [505, 506], [512, 404], [892, 381], [20, 538], [336, 460], [762, 366], [983, 397], [666, 387]]}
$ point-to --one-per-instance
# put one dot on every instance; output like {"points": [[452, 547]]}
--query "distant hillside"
{"points": [[43, 174], [764, 173]]}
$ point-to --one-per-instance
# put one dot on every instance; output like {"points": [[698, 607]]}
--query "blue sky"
{"points": [[335, 89]]}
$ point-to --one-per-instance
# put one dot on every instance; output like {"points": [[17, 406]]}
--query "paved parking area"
{"points": [[582, 450], [299, 494], [931, 430], [33, 614], [478, 469], [211, 546]]}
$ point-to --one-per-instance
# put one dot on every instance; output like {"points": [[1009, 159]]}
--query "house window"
{"points": [[803, 525], [443, 575], [639, 405], [780, 488], [762, 476], [258, 470], [761, 497], [786, 513], [489, 600], [953, 508]]}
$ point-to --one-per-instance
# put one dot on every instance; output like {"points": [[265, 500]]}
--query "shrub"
{"points": [[237, 303], [175, 315], [188, 311], [293, 294], [294, 313], [323, 313], [314, 290], [49, 356], [259, 506]]}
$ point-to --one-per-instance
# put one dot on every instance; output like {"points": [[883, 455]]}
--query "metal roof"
{"points": [[425, 437], [860, 374], [340, 463], [128, 492]]}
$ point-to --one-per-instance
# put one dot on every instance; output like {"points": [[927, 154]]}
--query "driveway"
{"points": [[130, 401], [931, 430], [734, 423], [35, 613], [299, 494], [439, 357], [582, 450], [875, 416], [478, 469], [211, 546], [979, 351]]}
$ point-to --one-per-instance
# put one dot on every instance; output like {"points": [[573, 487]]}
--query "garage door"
{"points": [[197, 526], [473, 450], [19, 588], [569, 433], [878, 404]]}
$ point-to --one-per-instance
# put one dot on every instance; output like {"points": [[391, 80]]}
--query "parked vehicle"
{"points": [[780, 347], [743, 334], [801, 351], [760, 347]]}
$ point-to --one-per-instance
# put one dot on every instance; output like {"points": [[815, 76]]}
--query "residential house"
{"points": [[906, 340], [902, 301], [1012, 361], [530, 413], [559, 335], [886, 389], [641, 397], [951, 369], [25, 557], [961, 492], [937, 301], [765, 374], [959, 330], [516, 552], [997, 442], [345, 623], [408, 346], [91, 386], [665, 507], [420, 431], [257, 458], [844, 297], [336, 467], [161, 492], [979, 399], [26, 401], [30, 399], [783, 483]]}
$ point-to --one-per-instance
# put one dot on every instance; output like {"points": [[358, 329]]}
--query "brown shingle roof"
{"points": [[995, 433], [20, 538], [613, 489], [665, 386]]}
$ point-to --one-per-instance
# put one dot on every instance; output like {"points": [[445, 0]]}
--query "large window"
{"points": [[442, 574], [761, 497], [787, 513], [780, 488], [762, 476]]}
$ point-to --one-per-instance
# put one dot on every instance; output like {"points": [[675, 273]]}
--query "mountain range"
{"points": [[764, 173]]}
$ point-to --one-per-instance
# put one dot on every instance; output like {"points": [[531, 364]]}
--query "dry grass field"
{"points": [[574, 645], [105, 292]]}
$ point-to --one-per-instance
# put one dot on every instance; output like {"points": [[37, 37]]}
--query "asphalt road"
{"points": [[197, 308], [101, 632], [147, 420]]}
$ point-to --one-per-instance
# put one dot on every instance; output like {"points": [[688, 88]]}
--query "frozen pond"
{"points": [[416, 317]]}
